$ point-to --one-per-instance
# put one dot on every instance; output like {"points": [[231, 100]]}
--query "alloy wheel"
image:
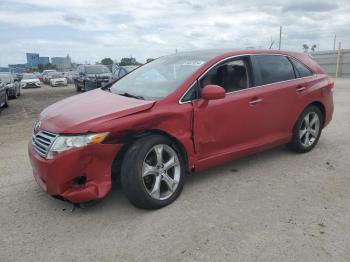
{"points": [[161, 172], [309, 129]]}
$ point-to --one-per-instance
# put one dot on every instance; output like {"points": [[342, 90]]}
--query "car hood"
{"points": [[86, 112], [30, 80]]}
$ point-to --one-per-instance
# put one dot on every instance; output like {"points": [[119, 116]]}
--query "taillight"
{"points": [[331, 84]]}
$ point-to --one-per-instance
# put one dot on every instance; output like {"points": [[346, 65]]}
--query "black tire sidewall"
{"points": [[131, 174]]}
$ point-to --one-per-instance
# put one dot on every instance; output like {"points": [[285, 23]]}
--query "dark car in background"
{"points": [[30, 81], [13, 86], [3, 95], [122, 71], [90, 77]]}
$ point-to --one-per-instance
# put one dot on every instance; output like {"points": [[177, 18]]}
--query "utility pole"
{"points": [[335, 39], [279, 44]]}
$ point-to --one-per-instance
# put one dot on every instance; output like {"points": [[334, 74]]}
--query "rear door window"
{"points": [[272, 68], [301, 70]]}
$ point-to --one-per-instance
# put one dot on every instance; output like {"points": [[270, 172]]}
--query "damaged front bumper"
{"points": [[78, 175]]}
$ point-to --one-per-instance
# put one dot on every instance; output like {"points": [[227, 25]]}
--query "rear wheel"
{"points": [[153, 172], [307, 130]]}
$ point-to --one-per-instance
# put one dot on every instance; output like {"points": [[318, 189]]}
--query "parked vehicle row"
{"points": [[3, 95], [30, 81], [178, 114], [14, 89], [88, 77]]}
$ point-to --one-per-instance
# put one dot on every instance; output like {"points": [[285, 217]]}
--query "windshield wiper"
{"points": [[131, 95]]}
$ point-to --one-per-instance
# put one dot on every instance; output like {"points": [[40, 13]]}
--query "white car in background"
{"points": [[30, 80], [46, 75], [58, 80]]}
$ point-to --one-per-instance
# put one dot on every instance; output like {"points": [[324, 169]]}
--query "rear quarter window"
{"points": [[301, 70], [272, 68]]}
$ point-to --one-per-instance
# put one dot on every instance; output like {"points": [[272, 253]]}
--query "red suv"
{"points": [[178, 114]]}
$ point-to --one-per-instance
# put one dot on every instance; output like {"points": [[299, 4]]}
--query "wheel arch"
{"points": [[320, 106], [129, 140]]}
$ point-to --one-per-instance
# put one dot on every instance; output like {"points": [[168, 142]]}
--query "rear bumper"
{"points": [[329, 106], [57, 176]]}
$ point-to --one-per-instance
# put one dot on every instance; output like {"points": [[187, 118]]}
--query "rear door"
{"points": [[275, 76]]}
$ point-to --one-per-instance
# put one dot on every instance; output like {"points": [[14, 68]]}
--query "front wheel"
{"points": [[6, 101], [307, 130], [153, 172], [77, 87]]}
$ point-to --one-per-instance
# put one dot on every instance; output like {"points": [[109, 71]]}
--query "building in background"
{"points": [[18, 68], [44, 60], [62, 63], [32, 60]]}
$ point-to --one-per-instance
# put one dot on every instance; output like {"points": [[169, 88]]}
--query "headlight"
{"points": [[23, 84], [91, 77], [64, 143]]}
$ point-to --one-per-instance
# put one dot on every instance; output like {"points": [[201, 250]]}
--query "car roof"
{"points": [[213, 53]]}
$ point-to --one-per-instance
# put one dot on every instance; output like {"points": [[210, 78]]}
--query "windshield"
{"points": [[97, 70], [5, 78], [29, 76], [158, 78], [57, 76]]}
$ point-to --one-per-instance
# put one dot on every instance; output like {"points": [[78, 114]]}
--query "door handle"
{"points": [[255, 101], [300, 89]]}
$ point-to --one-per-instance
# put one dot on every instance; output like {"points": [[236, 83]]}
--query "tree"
{"points": [[107, 61], [48, 66], [313, 48], [126, 61], [306, 48]]}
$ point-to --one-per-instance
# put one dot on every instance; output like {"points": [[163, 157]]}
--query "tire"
{"points": [[142, 158], [6, 101], [303, 132], [14, 95], [19, 91], [77, 87]]}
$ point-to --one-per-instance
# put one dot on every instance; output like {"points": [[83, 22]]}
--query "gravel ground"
{"points": [[273, 206]]}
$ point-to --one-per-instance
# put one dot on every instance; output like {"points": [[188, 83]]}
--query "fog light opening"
{"points": [[79, 181]]}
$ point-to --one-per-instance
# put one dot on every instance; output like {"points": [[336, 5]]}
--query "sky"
{"points": [[91, 30]]}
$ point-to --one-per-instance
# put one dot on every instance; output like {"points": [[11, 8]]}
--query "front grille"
{"points": [[42, 142]]}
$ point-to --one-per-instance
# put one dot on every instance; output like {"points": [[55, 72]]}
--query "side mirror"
{"points": [[213, 92]]}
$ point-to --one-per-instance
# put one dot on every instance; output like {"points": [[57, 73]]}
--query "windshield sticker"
{"points": [[193, 63]]}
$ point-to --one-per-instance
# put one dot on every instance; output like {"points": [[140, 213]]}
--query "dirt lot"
{"points": [[274, 206]]}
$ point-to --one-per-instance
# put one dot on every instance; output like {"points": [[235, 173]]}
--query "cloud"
{"points": [[90, 30], [74, 19], [313, 6], [154, 39]]}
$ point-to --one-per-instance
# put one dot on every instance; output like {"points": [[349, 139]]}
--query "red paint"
{"points": [[211, 131], [213, 92]]}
